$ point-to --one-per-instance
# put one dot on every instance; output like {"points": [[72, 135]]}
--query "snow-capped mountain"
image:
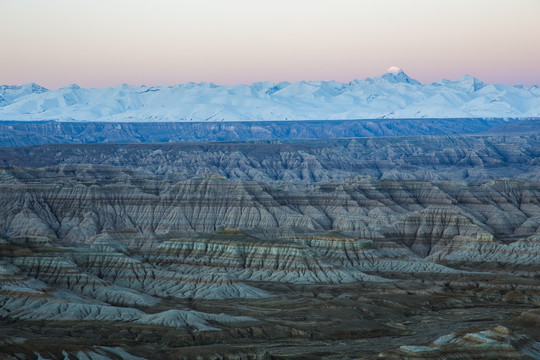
{"points": [[391, 95]]}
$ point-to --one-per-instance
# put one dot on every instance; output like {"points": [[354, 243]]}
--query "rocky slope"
{"points": [[16, 133], [431, 158], [496, 343], [271, 250], [423, 216]]}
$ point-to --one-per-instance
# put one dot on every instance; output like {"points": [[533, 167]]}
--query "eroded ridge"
{"points": [[114, 262]]}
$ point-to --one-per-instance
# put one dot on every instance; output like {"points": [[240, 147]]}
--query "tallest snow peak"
{"points": [[395, 75], [394, 70]]}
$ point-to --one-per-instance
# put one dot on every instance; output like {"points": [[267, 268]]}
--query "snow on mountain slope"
{"points": [[9, 94], [391, 95]]}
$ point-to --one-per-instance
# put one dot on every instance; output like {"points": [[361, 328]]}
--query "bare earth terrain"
{"points": [[375, 248]]}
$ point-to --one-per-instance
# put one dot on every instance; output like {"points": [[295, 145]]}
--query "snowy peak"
{"points": [[25, 89], [471, 83], [391, 95], [32, 88], [467, 83], [72, 87], [394, 75], [394, 70], [10, 93], [400, 77]]}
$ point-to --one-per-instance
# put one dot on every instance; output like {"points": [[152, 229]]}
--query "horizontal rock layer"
{"points": [[14, 133], [496, 343], [134, 253], [431, 158], [423, 216]]}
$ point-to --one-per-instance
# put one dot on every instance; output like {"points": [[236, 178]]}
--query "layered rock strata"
{"points": [[368, 255], [141, 258], [423, 216], [495, 343], [431, 158], [24, 297], [248, 258], [13, 133], [521, 257]]}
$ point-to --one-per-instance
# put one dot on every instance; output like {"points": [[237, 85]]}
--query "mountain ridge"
{"points": [[391, 95], [23, 133]]}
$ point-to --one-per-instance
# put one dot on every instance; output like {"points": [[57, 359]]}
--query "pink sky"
{"points": [[105, 43]]}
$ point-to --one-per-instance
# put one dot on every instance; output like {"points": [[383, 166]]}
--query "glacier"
{"points": [[391, 95]]}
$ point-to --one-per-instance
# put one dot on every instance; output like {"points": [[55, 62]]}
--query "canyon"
{"points": [[412, 247]]}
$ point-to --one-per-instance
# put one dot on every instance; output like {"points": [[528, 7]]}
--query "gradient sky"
{"points": [[103, 43]]}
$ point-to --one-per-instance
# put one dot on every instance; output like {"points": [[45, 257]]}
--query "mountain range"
{"points": [[391, 95]]}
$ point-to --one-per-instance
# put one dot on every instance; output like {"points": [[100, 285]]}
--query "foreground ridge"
{"points": [[414, 247]]}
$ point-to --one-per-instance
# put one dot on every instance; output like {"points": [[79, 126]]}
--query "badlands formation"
{"points": [[379, 248]]}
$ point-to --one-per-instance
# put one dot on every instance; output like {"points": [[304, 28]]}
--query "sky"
{"points": [[101, 43]]}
